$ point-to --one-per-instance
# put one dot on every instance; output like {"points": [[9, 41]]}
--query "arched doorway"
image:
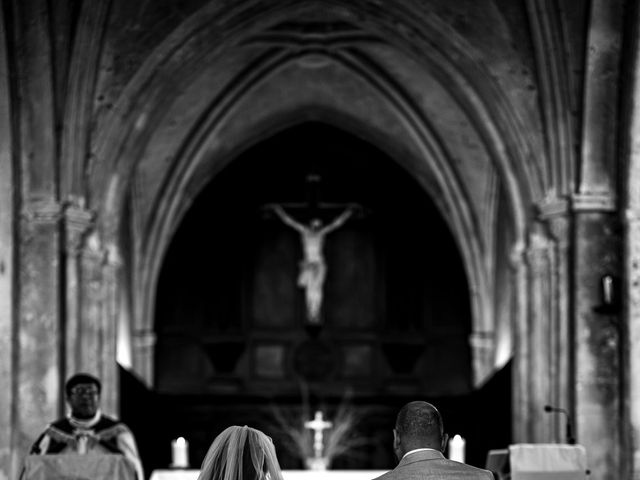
{"points": [[232, 345]]}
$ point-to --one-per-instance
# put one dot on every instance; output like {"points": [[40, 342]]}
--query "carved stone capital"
{"points": [[555, 214], [552, 207], [77, 222]]}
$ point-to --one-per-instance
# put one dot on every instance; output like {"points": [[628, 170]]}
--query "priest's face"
{"points": [[84, 400]]}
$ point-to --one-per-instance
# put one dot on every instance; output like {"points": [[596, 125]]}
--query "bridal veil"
{"points": [[241, 453]]}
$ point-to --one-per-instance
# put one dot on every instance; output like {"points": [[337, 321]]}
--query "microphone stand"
{"points": [[569, 432]]}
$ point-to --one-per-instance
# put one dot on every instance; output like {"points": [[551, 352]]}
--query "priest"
{"points": [[86, 429]]}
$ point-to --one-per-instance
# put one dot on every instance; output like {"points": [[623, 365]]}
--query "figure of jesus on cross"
{"points": [[313, 269]]}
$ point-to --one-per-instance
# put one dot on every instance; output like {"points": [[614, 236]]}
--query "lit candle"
{"points": [[456, 448], [179, 453]]}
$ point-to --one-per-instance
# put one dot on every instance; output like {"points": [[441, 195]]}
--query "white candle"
{"points": [[607, 289], [456, 448], [82, 444], [179, 453]]}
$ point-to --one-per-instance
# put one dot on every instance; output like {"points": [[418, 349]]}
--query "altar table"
{"points": [[287, 474], [552, 461], [78, 467]]}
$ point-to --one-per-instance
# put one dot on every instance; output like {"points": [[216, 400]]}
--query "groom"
{"points": [[418, 442]]}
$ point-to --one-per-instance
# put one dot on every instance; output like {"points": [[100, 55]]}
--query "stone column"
{"points": [[8, 334], [630, 126], [90, 313], [543, 355], [539, 331], [597, 337], [77, 223], [596, 241], [520, 370], [632, 317], [91, 336], [110, 321], [556, 215], [39, 357]]}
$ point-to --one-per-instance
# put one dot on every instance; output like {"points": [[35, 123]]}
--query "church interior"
{"points": [[483, 155]]}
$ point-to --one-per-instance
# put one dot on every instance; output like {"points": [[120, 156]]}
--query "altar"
{"points": [[77, 467], [184, 474]]}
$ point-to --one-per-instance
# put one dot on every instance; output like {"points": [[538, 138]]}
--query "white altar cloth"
{"points": [[550, 461], [178, 474], [70, 466]]}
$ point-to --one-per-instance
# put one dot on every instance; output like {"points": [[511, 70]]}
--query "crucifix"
{"points": [[318, 425], [313, 268]]}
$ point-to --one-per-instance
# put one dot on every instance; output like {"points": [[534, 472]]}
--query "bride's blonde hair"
{"points": [[241, 453]]}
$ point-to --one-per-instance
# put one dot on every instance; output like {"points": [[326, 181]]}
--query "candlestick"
{"points": [[179, 453], [456, 448]]}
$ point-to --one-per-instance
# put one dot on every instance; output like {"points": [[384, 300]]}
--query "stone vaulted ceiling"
{"points": [[456, 92]]}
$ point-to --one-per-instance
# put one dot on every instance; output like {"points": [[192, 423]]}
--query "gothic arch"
{"points": [[126, 133]]}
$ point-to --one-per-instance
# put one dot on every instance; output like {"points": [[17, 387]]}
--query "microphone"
{"points": [[570, 439]]}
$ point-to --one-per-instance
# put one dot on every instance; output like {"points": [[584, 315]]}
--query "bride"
{"points": [[241, 453]]}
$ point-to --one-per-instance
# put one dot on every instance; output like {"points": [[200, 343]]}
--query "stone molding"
{"points": [[594, 202], [42, 212], [482, 340], [144, 339]]}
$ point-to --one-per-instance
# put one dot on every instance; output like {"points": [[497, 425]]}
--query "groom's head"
{"points": [[418, 425]]}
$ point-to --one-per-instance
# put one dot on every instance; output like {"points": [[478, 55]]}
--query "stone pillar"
{"points": [[91, 317], [543, 351], [630, 140], [632, 317], [77, 222], [596, 241], [110, 325], [92, 338], [520, 370], [539, 332], [38, 370], [562, 352], [597, 337], [8, 459]]}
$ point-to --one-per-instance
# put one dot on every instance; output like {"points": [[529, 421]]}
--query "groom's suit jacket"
{"points": [[432, 465]]}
